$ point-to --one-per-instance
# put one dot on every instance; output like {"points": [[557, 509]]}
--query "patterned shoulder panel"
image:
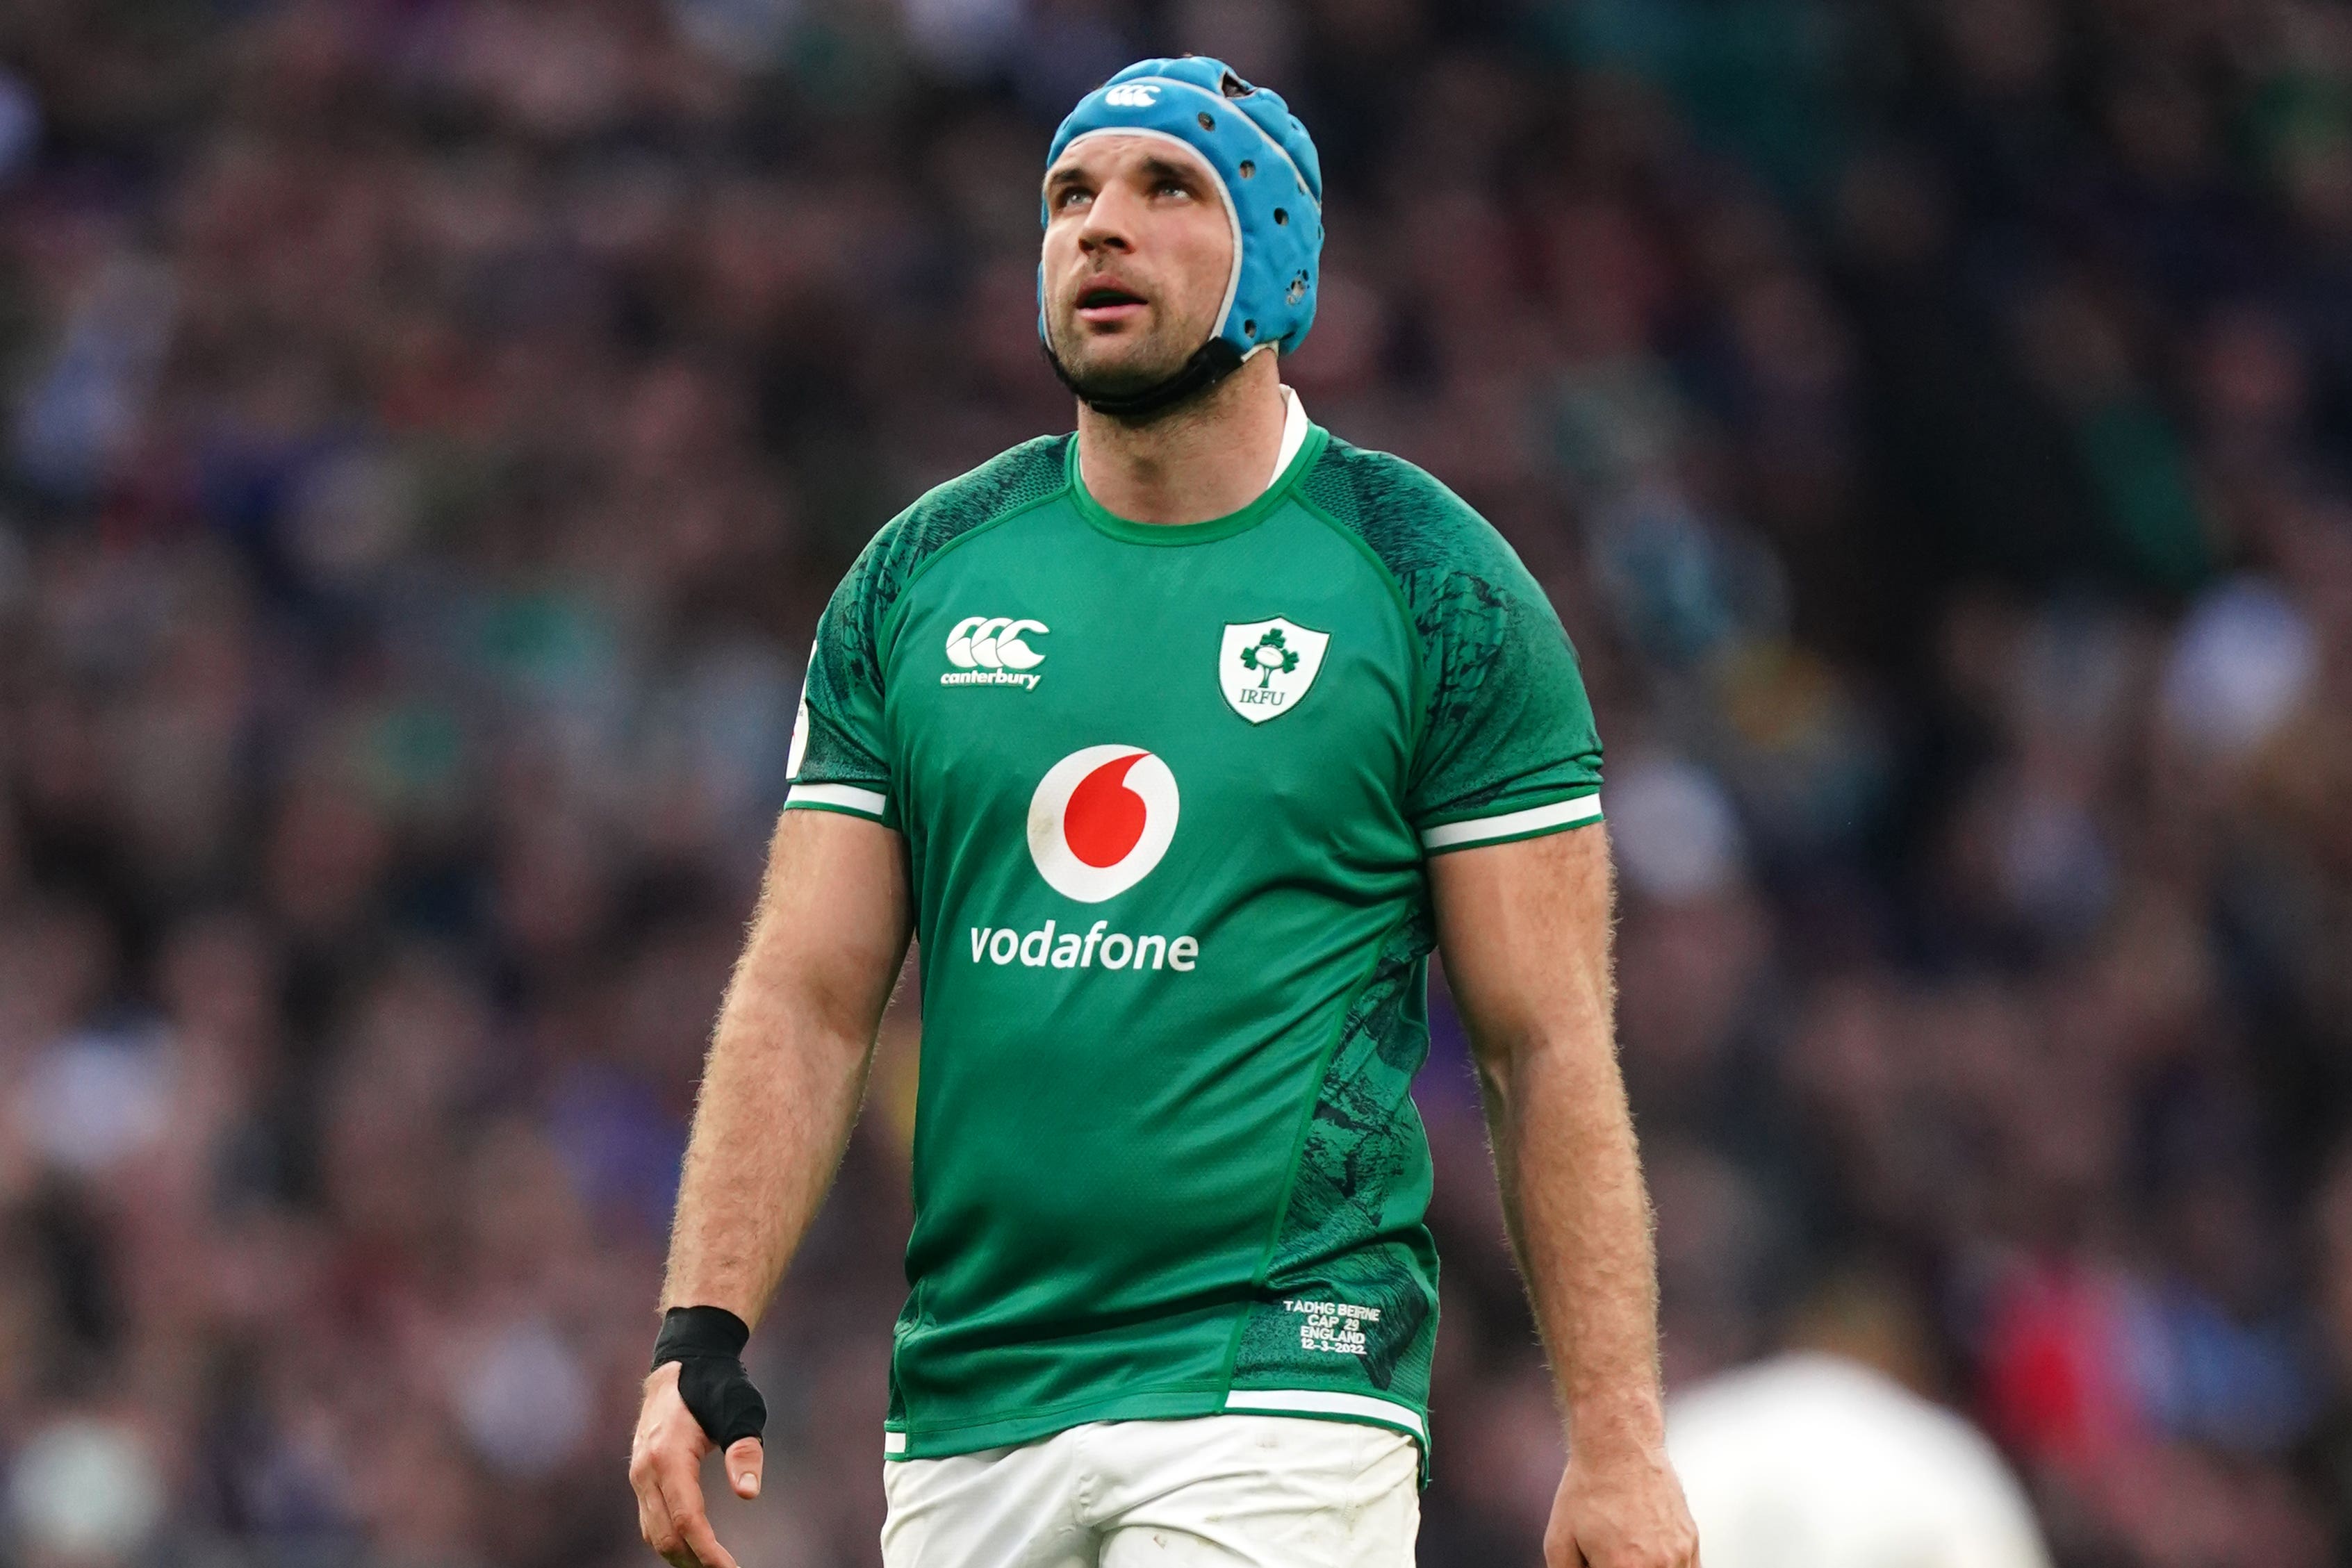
{"points": [[1411, 520], [1029, 473], [840, 738], [1459, 577]]}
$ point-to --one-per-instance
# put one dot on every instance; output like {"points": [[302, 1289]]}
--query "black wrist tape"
{"points": [[708, 1342]]}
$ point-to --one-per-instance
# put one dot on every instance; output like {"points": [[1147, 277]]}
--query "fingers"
{"points": [[653, 1514], [665, 1472], [668, 1445], [746, 1461], [682, 1494], [653, 1524], [1583, 1534], [653, 1521]]}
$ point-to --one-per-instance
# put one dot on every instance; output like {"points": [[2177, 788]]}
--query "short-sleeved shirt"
{"points": [[1169, 793]]}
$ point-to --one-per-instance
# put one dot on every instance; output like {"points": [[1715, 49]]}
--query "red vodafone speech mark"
{"points": [[1105, 819], [1100, 818]]}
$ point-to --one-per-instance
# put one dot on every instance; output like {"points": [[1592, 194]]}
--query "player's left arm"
{"points": [[1524, 928]]}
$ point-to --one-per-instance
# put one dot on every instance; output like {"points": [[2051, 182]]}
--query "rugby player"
{"points": [[1178, 744]]}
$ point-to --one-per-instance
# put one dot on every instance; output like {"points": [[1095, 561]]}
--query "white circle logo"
{"points": [[1100, 821]]}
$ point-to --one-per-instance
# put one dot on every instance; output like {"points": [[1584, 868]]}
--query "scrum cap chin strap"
{"points": [[1211, 363]]}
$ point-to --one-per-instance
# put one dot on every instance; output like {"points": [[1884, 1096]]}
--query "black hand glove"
{"points": [[708, 1342]]}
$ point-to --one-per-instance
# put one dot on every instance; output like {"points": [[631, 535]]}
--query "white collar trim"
{"points": [[1294, 433]]}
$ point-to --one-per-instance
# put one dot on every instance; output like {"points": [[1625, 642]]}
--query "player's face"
{"points": [[1138, 251]]}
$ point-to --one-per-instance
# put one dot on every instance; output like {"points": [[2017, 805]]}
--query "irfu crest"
{"points": [[1269, 656], [1266, 667]]}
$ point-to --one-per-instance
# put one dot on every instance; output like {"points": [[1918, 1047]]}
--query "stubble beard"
{"points": [[1153, 361]]}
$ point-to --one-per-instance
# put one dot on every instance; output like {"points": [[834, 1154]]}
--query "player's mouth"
{"points": [[1108, 304]]}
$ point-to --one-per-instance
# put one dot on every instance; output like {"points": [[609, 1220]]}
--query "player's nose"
{"points": [[1107, 225]]}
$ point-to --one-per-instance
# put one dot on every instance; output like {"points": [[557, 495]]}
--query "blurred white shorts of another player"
{"points": [[1221, 1491], [1814, 1461]]}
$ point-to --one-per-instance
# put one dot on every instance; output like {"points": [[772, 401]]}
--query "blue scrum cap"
{"points": [[1266, 172]]}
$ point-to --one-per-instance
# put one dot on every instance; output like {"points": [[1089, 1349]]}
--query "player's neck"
{"points": [[1200, 462]]}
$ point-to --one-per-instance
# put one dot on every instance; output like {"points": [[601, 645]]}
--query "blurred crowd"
{"points": [[428, 429]]}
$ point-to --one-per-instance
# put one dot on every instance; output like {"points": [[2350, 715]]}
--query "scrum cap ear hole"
{"points": [[1249, 328], [1207, 123], [1234, 87], [1249, 169], [1281, 216]]}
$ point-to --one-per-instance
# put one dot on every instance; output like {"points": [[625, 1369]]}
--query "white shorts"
{"points": [[1232, 1491]]}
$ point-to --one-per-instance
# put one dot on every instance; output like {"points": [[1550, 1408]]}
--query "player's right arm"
{"points": [[779, 1092]]}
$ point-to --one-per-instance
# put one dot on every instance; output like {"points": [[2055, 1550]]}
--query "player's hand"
{"points": [[666, 1472], [1621, 1507]]}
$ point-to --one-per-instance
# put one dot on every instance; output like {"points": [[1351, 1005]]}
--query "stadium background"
{"points": [[430, 429]]}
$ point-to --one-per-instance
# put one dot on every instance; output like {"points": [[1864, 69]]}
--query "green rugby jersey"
{"points": [[1168, 793]]}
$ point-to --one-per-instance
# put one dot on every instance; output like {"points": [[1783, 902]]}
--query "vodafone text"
{"points": [[1039, 948]]}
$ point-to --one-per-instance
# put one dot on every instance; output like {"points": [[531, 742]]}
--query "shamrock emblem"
{"points": [[1252, 652], [1269, 657]]}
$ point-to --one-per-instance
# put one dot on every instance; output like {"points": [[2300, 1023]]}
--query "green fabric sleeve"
{"points": [[1507, 748], [837, 739], [1509, 728], [841, 749]]}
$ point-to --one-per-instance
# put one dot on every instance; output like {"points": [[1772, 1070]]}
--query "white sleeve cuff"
{"points": [[840, 797], [1512, 824]]}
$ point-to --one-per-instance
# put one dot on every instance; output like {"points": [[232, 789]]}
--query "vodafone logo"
{"points": [[1100, 821]]}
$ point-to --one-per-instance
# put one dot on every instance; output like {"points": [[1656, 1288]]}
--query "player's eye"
{"points": [[1071, 195]]}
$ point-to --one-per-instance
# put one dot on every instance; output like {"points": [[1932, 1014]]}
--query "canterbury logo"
{"points": [[990, 650], [1131, 96], [994, 643]]}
